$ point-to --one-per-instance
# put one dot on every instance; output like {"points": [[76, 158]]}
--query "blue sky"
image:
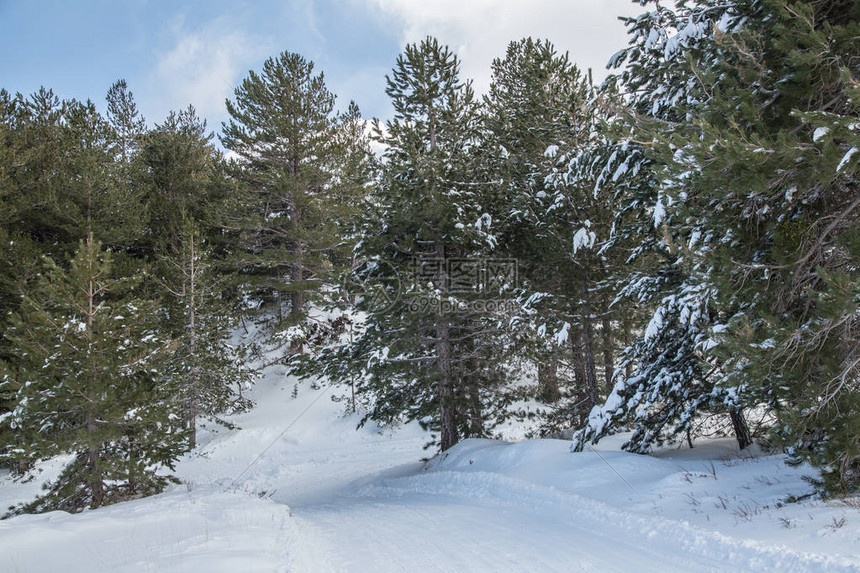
{"points": [[193, 51]]}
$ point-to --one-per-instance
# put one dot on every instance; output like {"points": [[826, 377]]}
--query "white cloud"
{"points": [[201, 67], [480, 30]]}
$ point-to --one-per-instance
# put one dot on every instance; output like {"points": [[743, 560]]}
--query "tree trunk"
{"points": [[608, 351], [475, 412], [607, 334], [628, 335], [93, 465], [577, 358], [191, 405], [297, 302], [297, 296], [445, 364], [742, 429], [447, 402], [588, 346], [548, 390]]}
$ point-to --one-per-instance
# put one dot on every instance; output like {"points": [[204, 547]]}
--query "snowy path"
{"points": [[325, 497], [479, 521], [439, 532], [361, 502]]}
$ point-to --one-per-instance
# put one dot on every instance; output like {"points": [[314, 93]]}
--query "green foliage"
{"points": [[181, 180], [89, 382], [205, 369], [699, 208], [291, 150], [95, 353], [411, 360], [572, 193], [127, 123], [753, 113]]}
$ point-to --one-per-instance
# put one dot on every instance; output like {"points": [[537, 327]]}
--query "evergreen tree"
{"points": [[541, 114], [60, 183], [770, 174], [35, 150], [283, 130], [127, 123], [93, 197], [203, 367], [753, 103], [671, 376], [182, 181], [88, 382], [185, 194], [353, 173], [422, 358]]}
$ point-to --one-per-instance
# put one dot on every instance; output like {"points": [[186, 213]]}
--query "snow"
{"points": [[485, 221], [324, 496], [562, 335], [694, 238], [846, 158], [584, 238], [655, 324], [819, 133], [659, 212]]}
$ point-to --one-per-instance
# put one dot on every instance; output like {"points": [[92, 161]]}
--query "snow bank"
{"points": [[179, 531]]}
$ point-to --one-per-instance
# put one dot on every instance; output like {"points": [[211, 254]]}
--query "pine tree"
{"points": [[284, 131], [182, 180], [61, 183], [185, 193], [421, 358], [127, 123], [541, 114], [203, 367], [353, 172], [12, 252], [770, 174], [751, 105], [93, 197], [89, 383], [35, 172], [671, 376]]}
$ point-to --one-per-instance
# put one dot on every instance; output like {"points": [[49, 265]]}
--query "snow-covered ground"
{"points": [[325, 497]]}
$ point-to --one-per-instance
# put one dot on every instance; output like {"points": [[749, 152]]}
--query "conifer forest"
{"points": [[672, 253]]}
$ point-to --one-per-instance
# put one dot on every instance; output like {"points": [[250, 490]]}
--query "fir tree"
{"points": [[61, 183]]}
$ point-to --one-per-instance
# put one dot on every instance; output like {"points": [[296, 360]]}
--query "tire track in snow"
{"points": [[390, 529], [660, 537]]}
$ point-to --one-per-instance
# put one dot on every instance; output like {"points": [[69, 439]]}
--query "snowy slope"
{"points": [[325, 497]]}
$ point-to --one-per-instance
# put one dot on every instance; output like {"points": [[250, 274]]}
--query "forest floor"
{"points": [[327, 497]]}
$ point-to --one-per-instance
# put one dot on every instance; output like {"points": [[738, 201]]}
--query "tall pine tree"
{"points": [[283, 131], [417, 354]]}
